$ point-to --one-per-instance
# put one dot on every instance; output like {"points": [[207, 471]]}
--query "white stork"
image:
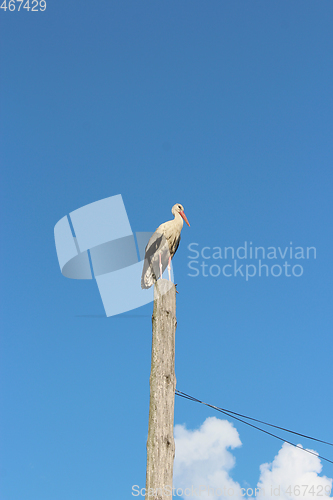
{"points": [[162, 247]]}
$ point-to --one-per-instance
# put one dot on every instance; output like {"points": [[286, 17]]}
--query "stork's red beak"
{"points": [[185, 218]]}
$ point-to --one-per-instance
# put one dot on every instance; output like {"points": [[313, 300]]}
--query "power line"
{"points": [[260, 421], [232, 415]]}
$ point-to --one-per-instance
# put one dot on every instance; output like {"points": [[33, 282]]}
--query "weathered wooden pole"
{"points": [[160, 443]]}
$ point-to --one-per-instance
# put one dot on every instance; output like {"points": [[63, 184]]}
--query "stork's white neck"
{"points": [[179, 221]]}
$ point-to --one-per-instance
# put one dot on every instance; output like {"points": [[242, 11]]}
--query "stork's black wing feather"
{"points": [[155, 246], [176, 244]]}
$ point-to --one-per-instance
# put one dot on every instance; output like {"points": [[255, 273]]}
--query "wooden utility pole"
{"points": [[160, 443]]}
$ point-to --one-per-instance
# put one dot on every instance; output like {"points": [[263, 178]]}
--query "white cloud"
{"points": [[296, 472], [202, 459]]}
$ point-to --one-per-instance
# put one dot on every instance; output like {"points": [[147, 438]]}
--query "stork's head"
{"points": [[178, 208]]}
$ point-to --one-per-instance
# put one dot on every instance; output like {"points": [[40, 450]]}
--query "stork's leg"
{"points": [[169, 267], [160, 261]]}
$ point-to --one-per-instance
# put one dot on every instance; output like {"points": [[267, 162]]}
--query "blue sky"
{"points": [[223, 106]]}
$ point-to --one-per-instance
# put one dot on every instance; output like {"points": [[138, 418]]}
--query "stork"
{"points": [[162, 246]]}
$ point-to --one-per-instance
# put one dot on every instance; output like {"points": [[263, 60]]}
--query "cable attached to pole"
{"points": [[232, 415]]}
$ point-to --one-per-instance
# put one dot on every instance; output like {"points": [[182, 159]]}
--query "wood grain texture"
{"points": [[160, 443]]}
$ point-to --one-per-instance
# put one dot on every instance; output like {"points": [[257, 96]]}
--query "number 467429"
{"points": [[34, 6]]}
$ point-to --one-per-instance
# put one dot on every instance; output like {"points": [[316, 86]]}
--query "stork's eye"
{"points": [[179, 207]]}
